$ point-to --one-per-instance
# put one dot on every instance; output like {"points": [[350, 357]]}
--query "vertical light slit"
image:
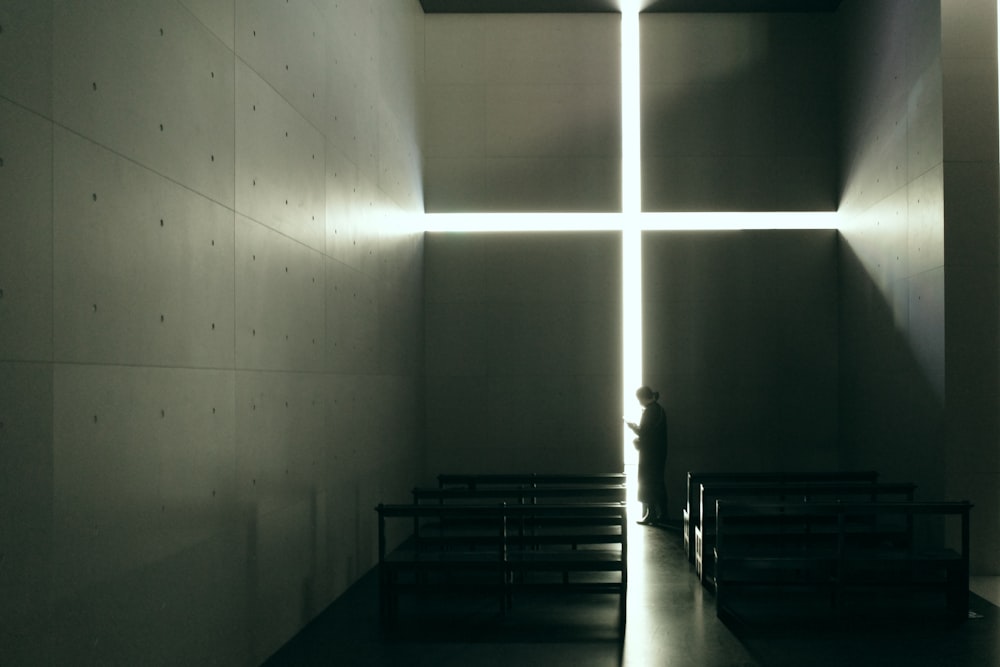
{"points": [[631, 161], [631, 221]]}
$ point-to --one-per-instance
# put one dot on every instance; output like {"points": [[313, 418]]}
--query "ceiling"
{"points": [[574, 6]]}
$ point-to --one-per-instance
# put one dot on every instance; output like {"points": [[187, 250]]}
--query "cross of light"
{"points": [[631, 222]]}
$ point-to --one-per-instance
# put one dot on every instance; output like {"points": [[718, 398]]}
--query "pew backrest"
{"points": [[521, 494], [692, 508], [480, 480], [852, 559], [710, 492], [792, 492]]}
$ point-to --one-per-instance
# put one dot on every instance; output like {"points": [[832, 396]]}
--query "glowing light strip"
{"points": [[576, 222], [631, 115], [740, 220], [631, 332], [630, 220]]}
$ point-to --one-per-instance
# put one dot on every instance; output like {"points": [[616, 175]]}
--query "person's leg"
{"points": [[658, 509]]}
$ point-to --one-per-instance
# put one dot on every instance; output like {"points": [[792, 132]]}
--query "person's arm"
{"points": [[650, 420]]}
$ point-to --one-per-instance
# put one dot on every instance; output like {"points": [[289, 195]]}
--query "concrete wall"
{"points": [[744, 112], [892, 264], [524, 352], [211, 318], [740, 339], [972, 261], [738, 112], [919, 198], [523, 112]]}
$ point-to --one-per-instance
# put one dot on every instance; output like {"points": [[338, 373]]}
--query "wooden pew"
{"points": [[694, 479], [710, 492], [473, 549], [874, 560], [514, 495], [475, 481], [523, 495]]}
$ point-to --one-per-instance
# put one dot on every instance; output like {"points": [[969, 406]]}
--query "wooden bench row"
{"points": [[692, 510], [521, 495], [502, 539], [844, 537], [853, 555], [479, 481], [802, 492]]}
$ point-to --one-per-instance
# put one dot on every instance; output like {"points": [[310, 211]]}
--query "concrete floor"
{"points": [[671, 621], [987, 588]]}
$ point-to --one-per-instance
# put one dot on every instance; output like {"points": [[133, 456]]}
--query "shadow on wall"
{"points": [[561, 180], [748, 123], [892, 415], [740, 337]]}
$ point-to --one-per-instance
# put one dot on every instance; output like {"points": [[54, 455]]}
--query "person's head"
{"points": [[646, 395]]}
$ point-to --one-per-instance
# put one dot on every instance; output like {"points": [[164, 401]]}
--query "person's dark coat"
{"points": [[651, 441]]}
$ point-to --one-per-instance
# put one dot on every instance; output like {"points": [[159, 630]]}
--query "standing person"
{"points": [[651, 441]]}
